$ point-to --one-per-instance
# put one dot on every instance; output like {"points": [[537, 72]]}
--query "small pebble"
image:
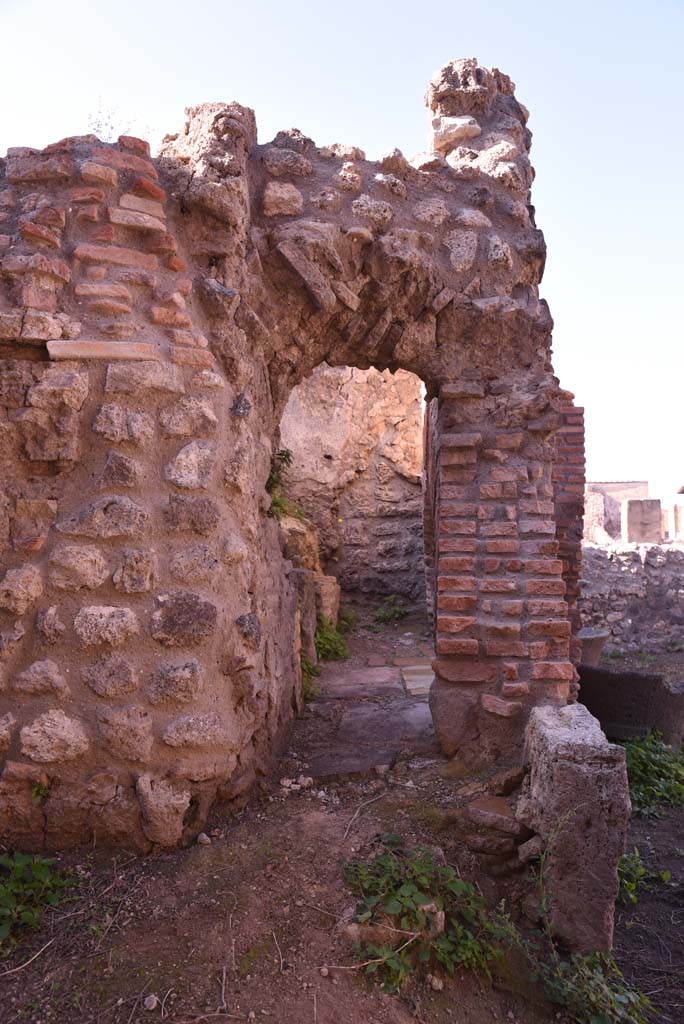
{"points": [[324, 972], [151, 1002], [203, 839]]}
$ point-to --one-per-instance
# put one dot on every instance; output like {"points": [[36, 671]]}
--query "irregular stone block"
{"points": [[58, 389], [448, 132], [7, 724], [316, 284], [192, 467], [462, 246], [20, 589], [105, 624], [497, 706], [195, 564], [176, 682], [31, 524], [118, 424], [198, 515], [281, 200], [49, 626], [373, 211], [73, 566], [183, 620], [195, 731], [137, 572], [576, 798], [140, 378], [120, 471], [250, 628], [286, 162], [54, 737], [111, 676], [127, 732], [41, 677], [431, 211], [110, 516], [163, 807], [189, 417]]}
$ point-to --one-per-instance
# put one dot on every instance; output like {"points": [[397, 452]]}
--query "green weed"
{"points": [[28, 885], [409, 888], [310, 688], [391, 609], [329, 642], [656, 774], [281, 505], [347, 620], [633, 875]]}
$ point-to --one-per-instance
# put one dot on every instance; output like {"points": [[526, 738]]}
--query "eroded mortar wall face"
{"points": [[356, 437], [154, 318]]}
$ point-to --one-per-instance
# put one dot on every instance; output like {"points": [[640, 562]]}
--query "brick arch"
{"points": [[154, 315]]}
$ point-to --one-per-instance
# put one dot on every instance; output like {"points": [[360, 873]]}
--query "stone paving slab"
{"points": [[362, 682], [349, 763], [418, 679], [403, 725]]}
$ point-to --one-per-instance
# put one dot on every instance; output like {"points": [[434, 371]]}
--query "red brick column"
{"points": [[502, 628], [569, 481]]}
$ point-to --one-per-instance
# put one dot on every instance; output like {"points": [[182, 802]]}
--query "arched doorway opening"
{"points": [[350, 502]]}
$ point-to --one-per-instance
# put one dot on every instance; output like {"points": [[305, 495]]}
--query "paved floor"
{"points": [[371, 717]]}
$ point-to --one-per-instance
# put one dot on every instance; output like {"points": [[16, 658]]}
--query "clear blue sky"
{"points": [[605, 86]]}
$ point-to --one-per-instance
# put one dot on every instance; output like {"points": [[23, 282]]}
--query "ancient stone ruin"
{"points": [[155, 317]]}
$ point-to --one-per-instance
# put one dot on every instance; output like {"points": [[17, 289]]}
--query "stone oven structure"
{"points": [[154, 318]]}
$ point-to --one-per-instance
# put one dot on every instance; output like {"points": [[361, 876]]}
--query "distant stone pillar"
{"points": [[641, 521], [503, 628]]}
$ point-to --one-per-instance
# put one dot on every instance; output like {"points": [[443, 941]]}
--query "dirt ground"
{"points": [[649, 937], [246, 928]]}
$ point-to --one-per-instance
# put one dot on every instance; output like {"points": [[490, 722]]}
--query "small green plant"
{"points": [[346, 620], [590, 987], [280, 463], [281, 505], [310, 670], [40, 792], [656, 774], [633, 875], [28, 885], [439, 920], [391, 609], [593, 991], [407, 891], [614, 655], [647, 659], [329, 642]]}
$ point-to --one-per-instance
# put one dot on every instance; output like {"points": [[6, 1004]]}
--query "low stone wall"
{"points": [[635, 592], [356, 438]]}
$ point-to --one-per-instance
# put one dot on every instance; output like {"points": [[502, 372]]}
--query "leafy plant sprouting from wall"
{"points": [[276, 483], [329, 642]]}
